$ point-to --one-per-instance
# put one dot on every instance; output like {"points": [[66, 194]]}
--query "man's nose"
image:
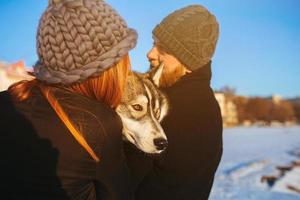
{"points": [[151, 54]]}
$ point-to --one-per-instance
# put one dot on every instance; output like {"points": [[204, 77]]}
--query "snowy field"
{"points": [[249, 154]]}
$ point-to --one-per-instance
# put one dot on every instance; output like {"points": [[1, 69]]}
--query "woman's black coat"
{"points": [[40, 159]]}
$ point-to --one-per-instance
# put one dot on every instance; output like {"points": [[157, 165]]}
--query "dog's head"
{"points": [[142, 108]]}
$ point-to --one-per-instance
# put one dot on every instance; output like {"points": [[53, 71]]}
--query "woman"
{"points": [[60, 136]]}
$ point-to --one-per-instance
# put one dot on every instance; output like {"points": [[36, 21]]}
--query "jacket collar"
{"points": [[201, 76]]}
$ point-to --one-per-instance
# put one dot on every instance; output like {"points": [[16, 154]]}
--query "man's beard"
{"points": [[169, 78]]}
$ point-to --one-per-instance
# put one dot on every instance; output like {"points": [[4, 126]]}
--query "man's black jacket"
{"points": [[193, 127]]}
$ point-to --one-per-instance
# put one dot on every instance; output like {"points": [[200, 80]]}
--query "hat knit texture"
{"points": [[78, 39], [190, 34]]}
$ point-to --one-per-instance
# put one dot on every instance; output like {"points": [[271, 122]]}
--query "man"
{"points": [[184, 42]]}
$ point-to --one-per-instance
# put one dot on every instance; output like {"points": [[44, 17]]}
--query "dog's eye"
{"points": [[137, 107]]}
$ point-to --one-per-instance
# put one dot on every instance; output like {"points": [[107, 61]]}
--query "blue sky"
{"points": [[258, 51]]}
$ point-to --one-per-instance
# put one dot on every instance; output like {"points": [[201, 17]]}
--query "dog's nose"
{"points": [[160, 143]]}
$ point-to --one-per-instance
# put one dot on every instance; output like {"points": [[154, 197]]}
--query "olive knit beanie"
{"points": [[78, 39], [190, 34]]}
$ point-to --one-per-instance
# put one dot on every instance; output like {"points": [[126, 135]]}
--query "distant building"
{"points": [[222, 102], [276, 99], [11, 73], [228, 110]]}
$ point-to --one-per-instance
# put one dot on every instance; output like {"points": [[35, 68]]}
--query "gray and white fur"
{"points": [[142, 108]]}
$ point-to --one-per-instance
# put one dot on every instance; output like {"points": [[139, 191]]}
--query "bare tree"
{"points": [[241, 103], [296, 107], [283, 112]]}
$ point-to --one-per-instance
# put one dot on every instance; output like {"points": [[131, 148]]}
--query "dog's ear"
{"points": [[155, 74]]}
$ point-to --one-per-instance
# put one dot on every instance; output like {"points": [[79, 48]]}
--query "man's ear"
{"points": [[155, 74]]}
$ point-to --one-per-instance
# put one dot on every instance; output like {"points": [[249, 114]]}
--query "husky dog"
{"points": [[142, 108]]}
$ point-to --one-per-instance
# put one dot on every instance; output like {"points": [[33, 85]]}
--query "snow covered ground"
{"points": [[249, 154]]}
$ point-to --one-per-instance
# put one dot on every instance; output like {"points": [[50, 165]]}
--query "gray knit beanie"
{"points": [[190, 34], [78, 39]]}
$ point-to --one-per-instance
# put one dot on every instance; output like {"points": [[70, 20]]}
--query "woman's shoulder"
{"points": [[4, 98], [96, 119], [79, 104], [6, 104]]}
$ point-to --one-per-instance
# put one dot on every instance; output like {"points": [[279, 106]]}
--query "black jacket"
{"points": [[185, 171], [40, 159]]}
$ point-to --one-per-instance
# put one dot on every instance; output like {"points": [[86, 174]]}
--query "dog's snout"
{"points": [[160, 143]]}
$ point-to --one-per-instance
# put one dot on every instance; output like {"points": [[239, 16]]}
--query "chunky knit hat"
{"points": [[190, 34], [78, 39]]}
